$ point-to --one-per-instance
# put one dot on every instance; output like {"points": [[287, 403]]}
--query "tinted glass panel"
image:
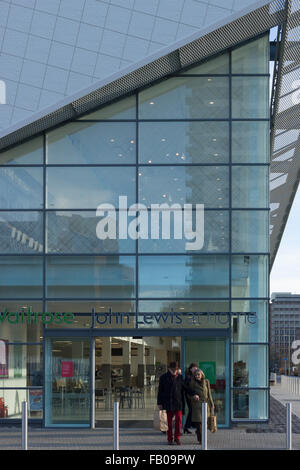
{"points": [[91, 277], [21, 188], [250, 231], [92, 143], [250, 276], [195, 185], [250, 404], [86, 188], [21, 232], [250, 186], [252, 58], [250, 324], [250, 97], [76, 232], [184, 276], [249, 366], [186, 98], [184, 142], [250, 142], [21, 277]]}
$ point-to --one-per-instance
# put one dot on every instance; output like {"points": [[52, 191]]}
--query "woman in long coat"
{"points": [[201, 386]]}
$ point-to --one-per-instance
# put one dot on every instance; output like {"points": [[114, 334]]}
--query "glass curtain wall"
{"points": [[200, 137]]}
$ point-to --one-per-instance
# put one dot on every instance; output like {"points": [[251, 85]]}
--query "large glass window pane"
{"points": [[250, 404], [21, 232], [122, 109], [250, 97], [252, 58], [21, 277], [75, 232], [92, 143], [183, 276], [195, 185], [186, 98], [91, 277], [12, 402], [216, 65], [28, 153], [67, 382], [88, 187], [250, 186], [21, 188], [250, 276], [249, 321], [212, 233], [250, 142], [21, 320], [250, 366], [250, 231], [183, 142], [183, 314], [23, 366]]}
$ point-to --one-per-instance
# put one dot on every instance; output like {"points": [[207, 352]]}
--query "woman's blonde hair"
{"points": [[199, 371]]}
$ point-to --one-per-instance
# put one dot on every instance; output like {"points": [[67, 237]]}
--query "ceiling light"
{"points": [[149, 161], [151, 102], [211, 102]]}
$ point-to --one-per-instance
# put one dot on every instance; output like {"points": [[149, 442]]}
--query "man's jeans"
{"points": [[178, 419]]}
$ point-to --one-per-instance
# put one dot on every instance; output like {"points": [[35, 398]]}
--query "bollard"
{"points": [[116, 425], [204, 426], [289, 426], [24, 426]]}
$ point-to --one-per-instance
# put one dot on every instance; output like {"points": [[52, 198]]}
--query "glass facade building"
{"points": [[86, 318]]}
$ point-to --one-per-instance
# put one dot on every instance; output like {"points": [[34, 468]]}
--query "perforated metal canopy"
{"points": [[285, 142]]}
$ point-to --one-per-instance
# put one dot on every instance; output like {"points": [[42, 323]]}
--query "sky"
{"points": [[285, 274]]}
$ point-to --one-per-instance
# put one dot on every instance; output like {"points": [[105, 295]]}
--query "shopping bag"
{"points": [[212, 423], [160, 421]]}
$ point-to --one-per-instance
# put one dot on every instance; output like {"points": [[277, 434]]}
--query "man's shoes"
{"points": [[177, 442]]}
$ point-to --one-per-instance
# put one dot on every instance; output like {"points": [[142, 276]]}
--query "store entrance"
{"points": [[128, 371]]}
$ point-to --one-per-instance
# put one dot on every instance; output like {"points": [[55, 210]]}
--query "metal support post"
{"points": [[204, 426], [116, 425], [24, 425]]}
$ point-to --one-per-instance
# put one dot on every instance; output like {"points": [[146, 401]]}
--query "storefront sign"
{"points": [[28, 317]]}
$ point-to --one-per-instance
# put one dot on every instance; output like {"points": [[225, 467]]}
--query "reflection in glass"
{"points": [[75, 232], [250, 186], [249, 276], [215, 229], [12, 402], [249, 365], [183, 142], [250, 324], [195, 185], [20, 330], [250, 97], [252, 58], [90, 277], [250, 404], [122, 109], [250, 231], [21, 188], [88, 187], [186, 98], [68, 382], [250, 142], [92, 143], [184, 276], [28, 153], [21, 232], [21, 277]]}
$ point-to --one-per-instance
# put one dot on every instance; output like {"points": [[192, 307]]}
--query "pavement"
{"points": [[270, 436]]}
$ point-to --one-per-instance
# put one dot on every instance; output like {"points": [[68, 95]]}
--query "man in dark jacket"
{"points": [[171, 398]]}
